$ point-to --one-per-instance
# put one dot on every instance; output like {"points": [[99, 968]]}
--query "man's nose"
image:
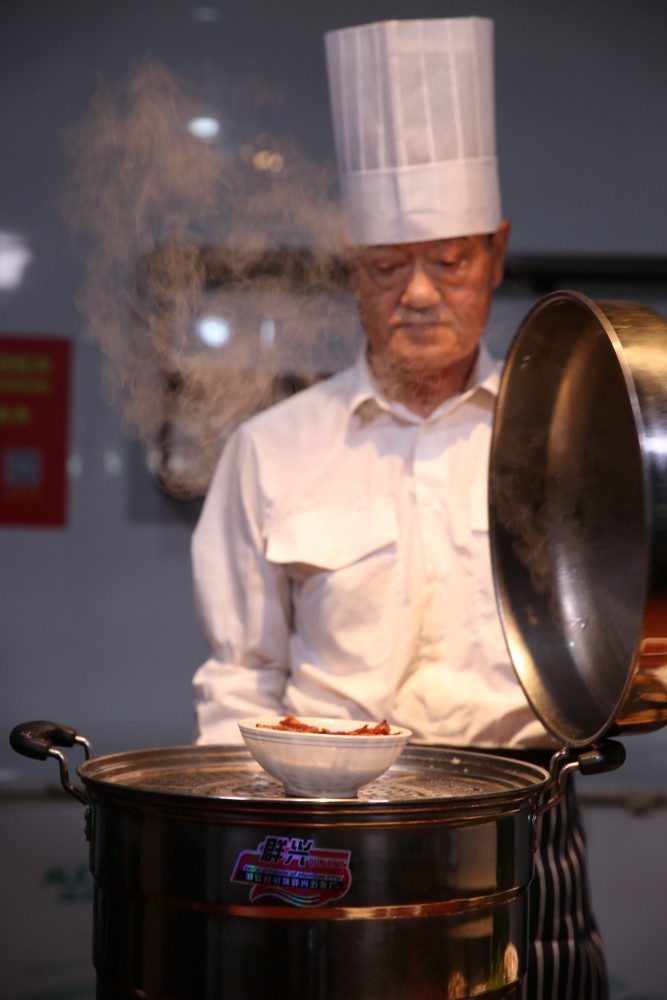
{"points": [[420, 291]]}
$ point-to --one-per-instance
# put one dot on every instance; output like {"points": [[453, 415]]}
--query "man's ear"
{"points": [[499, 241]]}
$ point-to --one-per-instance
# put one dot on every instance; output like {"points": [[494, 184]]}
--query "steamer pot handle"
{"points": [[609, 755], [39, 739], [596, 759]]}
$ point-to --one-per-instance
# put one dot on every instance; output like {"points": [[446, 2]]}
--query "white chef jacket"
{"points": [[342, 568]]}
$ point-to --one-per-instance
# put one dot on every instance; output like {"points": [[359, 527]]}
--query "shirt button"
{"points": [[433, 574], [432, 653]]}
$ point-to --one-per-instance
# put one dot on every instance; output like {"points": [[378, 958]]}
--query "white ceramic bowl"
{"points": [[319, 765]]}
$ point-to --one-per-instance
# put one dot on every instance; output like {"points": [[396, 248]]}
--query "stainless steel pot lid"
{"points": [[578, 515]]}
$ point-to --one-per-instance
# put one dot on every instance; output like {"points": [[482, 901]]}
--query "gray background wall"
{"points": [[96, 619]]}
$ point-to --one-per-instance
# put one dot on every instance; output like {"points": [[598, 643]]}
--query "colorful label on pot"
{"points": [[294, 869]]}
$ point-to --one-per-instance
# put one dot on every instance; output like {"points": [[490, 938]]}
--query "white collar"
{"points": [[485, 377]]}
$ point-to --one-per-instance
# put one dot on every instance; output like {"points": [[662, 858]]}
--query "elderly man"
{"points": [[341, 562]]}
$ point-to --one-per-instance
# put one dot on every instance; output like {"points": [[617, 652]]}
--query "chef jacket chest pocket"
{"points": [[343, 567]]}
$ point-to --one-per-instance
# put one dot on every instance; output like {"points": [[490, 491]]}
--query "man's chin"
{"points": [[429, 355], [427, 360]]}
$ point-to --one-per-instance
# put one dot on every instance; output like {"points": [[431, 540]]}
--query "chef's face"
{"points": [[423, 306]]}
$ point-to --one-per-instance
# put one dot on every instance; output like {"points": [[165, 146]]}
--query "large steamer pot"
{"points": [[210, 883], [578, 515]]}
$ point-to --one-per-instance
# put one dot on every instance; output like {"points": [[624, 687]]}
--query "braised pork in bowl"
{"points": [[323, 757]]}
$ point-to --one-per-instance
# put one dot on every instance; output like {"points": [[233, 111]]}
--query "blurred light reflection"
{"points": [[75, 466], [205, 127], [214, 331], [206, 15], [264, 160], [113, 464], [14, 258], [267, 331]]}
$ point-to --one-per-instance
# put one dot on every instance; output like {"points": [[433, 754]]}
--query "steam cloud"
{"points": [[176, 228]]}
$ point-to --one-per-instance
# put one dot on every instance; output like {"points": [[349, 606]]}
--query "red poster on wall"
{"points": [[34, 429]]}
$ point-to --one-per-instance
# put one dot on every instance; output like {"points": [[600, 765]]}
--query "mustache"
{"points": [[416, 317]]}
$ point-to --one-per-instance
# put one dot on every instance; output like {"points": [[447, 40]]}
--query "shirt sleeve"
{"points": [[242, 602]]}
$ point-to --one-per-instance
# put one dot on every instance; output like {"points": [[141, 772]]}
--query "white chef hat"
{"points": [[413, 117]]}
